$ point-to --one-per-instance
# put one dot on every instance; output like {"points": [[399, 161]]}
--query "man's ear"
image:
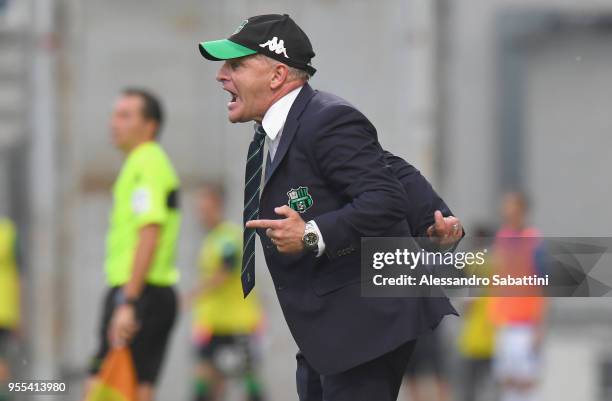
{"points": [[152, 128], [280, 73]]}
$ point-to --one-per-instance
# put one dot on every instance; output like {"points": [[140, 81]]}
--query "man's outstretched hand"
{"points": [[445, 230], [286, 234]]}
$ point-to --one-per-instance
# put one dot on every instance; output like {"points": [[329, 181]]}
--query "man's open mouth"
{"points": [[233, 96]]}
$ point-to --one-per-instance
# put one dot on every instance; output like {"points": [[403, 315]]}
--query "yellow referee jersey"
{"points": [[146, 192]]}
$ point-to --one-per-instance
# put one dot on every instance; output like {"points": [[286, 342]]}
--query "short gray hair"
{"points": [[294, 73]]}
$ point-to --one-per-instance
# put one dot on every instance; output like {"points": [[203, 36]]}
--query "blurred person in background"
{"points": [[9, 298], [519, 319], [224, 324], [427, 366], [476, 339], [140, 305]]}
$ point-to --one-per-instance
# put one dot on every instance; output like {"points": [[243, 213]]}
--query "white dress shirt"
{"points": [[273, 123]]}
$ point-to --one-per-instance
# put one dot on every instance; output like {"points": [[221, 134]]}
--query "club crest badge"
{"points": [[299, 199]]}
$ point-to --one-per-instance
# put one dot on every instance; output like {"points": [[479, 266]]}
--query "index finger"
{"points": [[262, 223]]}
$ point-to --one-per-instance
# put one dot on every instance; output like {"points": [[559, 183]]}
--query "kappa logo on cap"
{"points": [[276, 46]]}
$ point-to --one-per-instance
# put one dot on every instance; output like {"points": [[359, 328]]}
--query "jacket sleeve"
{"points": [[347, 153], [424, 200]]}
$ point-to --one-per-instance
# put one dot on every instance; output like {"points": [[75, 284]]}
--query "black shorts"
{"points": [[5, 335], [156, 313], [233, 355]]}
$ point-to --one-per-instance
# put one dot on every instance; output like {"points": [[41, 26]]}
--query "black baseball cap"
{"points": [[274, 35]]}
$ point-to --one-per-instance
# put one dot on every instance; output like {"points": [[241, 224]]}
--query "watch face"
{"points": [[311, 239]]}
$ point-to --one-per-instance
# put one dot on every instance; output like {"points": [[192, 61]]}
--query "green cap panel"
{"points": [[223, 49]]}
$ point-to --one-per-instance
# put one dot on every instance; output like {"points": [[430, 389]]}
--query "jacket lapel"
{"points": [[290, 128]]}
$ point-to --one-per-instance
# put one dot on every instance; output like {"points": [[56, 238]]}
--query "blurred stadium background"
{"points": [[481, 95]]}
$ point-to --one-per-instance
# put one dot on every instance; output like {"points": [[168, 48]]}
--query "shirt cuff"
{"points": [[321, 244]]}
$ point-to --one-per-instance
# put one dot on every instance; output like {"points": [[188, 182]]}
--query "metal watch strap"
{"points": [[309, 228]]}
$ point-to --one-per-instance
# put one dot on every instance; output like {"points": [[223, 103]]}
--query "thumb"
{"points": [[439, 220], [284, 211]]}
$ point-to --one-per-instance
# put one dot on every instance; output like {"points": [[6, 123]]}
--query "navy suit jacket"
{"points": [[424, 201], [331, 149]]}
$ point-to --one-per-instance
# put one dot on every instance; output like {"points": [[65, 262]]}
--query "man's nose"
{"points": [[222, 73]]}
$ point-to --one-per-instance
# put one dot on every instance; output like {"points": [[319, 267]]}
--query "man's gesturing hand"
{"points": [[285, 233], [445, 230]]}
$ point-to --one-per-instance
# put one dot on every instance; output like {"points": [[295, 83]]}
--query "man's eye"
{"points": [[234, 64]]}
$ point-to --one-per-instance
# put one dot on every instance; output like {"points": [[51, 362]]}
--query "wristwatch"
{"points": [[310, 238]]}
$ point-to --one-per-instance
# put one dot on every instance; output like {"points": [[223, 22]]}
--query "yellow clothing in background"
{"points": [[146, 192], [224, 310], [9, 276], [477, 337]]}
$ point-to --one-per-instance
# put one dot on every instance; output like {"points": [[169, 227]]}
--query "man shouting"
{"points": [[325, 184]]}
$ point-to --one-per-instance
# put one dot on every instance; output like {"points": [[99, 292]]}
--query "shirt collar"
{"points": [[139, 148], [275, 117]]}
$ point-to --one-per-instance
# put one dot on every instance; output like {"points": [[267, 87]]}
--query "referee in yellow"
{"points": [[140, 306]]}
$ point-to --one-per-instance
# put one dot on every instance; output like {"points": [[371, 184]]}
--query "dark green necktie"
{"points": [[252, 182]]}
